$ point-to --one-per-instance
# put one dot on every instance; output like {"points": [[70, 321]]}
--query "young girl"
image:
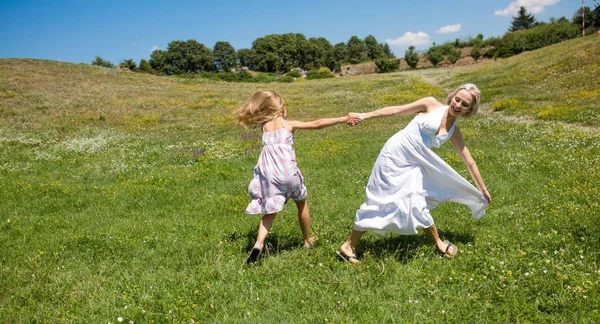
{"points": [[276, 176]]}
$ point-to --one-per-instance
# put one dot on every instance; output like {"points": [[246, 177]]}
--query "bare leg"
{"points": [[349, 247], [263, 229], [304, 220], [433, 235]]}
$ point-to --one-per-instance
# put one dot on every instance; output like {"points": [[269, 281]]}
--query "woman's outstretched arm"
{"points": [[459, 145], [423, 105]]}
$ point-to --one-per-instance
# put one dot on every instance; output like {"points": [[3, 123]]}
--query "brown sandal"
{"points": [[448, 253], [348, 258]]}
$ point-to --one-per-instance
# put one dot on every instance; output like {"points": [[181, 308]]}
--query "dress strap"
{"points": [[282, 122]]}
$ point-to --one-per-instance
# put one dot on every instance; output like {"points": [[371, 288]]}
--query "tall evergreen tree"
{"points": [[388, 51], [522, 21]]}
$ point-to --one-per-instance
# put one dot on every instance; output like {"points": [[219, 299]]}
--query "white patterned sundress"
{"points": [[276, 175], [409, 179]]}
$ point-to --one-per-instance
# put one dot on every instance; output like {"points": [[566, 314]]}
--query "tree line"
{"points": [[280, 53]]}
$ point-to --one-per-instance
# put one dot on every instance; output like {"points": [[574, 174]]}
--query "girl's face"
{"points": [[461, 103], [284, 113]]}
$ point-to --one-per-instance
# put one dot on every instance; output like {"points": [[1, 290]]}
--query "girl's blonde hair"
{"points": [[475, 93], [259, 108]]}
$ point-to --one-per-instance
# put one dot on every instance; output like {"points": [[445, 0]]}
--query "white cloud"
{"points": [[449, 29], [154, 48], [532, 6], [409, 38]]}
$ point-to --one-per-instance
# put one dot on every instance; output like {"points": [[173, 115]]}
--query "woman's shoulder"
{"points": [[430, 104]]}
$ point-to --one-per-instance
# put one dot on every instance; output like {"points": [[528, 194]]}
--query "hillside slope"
{"points": [[559, 82]]}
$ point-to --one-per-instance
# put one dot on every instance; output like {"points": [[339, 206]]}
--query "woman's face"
{"points": [[461, 103]]}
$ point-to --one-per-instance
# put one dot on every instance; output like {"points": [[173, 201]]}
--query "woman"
{"points": [[409, 179]]}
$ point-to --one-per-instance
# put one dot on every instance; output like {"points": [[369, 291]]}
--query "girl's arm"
{"points": [[419, 106], [459, 145], [293, 125]]}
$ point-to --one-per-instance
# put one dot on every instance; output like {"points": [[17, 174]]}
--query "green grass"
{"points": [[123, 195]]}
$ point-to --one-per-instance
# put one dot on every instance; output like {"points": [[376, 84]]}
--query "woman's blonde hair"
{"points": [[259, 108], [475, 93]]}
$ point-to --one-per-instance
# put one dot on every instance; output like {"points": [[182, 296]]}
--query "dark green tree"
{"points": [[224, 55], [588, 16], [128, 64], [144, 67], [269, 52], [340, 53], [388, 51], [357, 50], [321, 50], [411, 57], [102, 62], [183, 57], [247, 57], [374, 49], [522, 21], [596, 13]]}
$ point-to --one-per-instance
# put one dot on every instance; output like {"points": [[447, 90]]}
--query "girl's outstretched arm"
{"points": [[459, 145], [293, 125], [422, 105]]}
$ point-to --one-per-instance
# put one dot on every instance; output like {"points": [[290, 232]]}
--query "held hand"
{"points": [[354, 119]]}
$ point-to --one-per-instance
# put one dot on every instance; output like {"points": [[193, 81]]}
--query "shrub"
{"points": [[294, 73], [286, 79], [435, 55], [315, 74], [102, 62], [385, 65], [533, 38]]}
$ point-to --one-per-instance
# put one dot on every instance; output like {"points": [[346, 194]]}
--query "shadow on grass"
{"points": [[275, 243], [404, 248]]}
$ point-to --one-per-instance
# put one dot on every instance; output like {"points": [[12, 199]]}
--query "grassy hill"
{"points": [[559, 82], [123, 196]]}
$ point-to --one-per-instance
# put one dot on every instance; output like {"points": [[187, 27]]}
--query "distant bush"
{"points": [[454, 55], [315, 74], [435, 55], [102, 62], [294, 73], [533, 38], [238, 77], [385, 65], [286, 79]]}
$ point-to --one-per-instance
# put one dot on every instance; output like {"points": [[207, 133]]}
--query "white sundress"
{"points": [[409, 179]]}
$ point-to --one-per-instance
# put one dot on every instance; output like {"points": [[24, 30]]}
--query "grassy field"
{"points": [[122, 199]]}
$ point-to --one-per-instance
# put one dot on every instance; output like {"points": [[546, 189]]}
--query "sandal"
{"points": [[451, 250], [254, 254], [311, 242], [348, 258]]}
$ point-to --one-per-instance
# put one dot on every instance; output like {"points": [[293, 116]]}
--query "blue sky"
{"points": [[78, 31]]}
